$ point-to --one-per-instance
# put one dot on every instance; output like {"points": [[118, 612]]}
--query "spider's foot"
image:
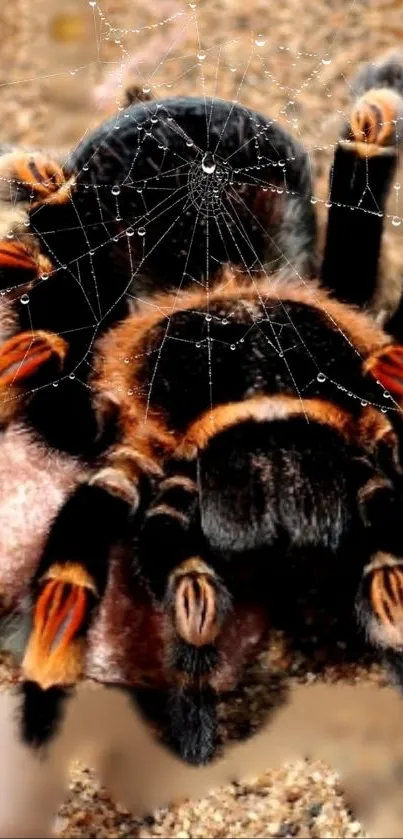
{"points": [[21, 263], [23, 355], [374, 122], [30, 174], [197, 601], [380, 604], [386, 366], [62, 609]]}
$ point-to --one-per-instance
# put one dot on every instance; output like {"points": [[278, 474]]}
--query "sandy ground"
{"points": [[60, 70]]}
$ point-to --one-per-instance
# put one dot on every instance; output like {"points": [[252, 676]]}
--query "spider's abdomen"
{"points": [[187, 184]]}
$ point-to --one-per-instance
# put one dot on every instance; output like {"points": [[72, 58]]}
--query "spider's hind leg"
{"points": [[364, 166]]}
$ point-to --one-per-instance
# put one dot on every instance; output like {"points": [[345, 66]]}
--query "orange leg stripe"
{"points": [[42, 174], [387, 367], [24, 354], [49, 621], [15, 256]]}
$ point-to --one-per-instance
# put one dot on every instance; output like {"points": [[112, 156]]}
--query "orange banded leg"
{"points": [[373, 122], [381, 601], [386, 366], [26, 353], [70, 583], [55, 651], [36, 172], [197, 602]]}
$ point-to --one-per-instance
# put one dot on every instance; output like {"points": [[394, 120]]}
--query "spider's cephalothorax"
{"points": [[229, 479]]}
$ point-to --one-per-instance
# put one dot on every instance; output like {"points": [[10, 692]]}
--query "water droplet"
{"points": [[91, 253], [397, 186], [72, 375], [192, 5], [328, 204], [224, 321], [314, 200], [24, 299], [115, 190], [201, 55], [127, 360], [130, 393], [189, 143], [129, 231], [281, 163], [326, 60], [44, 276], [141, 231], [396, 221], [72, 72], [55, 384], [146, 89], [27, 223], [115, 239], [386, 394], [232, 347], [154, 120], [364, 403], [85, 168], [384, 410], [208, 163], [321, 377], [10, 235], [208, 318], [198, 345], [92, 2], [260, 41]]}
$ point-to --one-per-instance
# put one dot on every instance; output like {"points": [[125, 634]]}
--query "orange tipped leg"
{"points": [[381, 601], [198, 601], [55, 651], [41, 174], [386, 366], [373, 119], [23, 355]]}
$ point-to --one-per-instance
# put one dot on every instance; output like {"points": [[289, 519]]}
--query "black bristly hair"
{"points": [[233, 489]]}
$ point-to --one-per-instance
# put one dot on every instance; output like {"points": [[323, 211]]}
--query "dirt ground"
{"points": [[61, 71]]}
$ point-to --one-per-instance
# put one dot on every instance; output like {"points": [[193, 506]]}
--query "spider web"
{"points": [[166, 53]]}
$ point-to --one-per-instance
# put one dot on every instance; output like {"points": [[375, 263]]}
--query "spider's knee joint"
{"points": [[118, 484], [380, 605], [23, 355], [199, 602], [373, 120], [62, 608]]}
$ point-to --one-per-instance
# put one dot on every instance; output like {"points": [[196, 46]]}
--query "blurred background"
{"points": [[63, 68]]}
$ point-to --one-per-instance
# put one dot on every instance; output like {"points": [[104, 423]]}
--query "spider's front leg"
{"points": [[195, 602], [27, 180], [27, 361], [73, 572], [380, 596], [365, 162]]}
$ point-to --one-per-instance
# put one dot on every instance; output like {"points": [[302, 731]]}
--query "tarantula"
{"points": [[224, 490]]}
